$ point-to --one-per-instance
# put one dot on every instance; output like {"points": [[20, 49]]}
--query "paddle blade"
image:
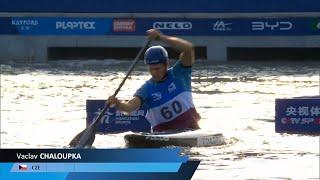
{"points": [[75, 140], [84, 139]]}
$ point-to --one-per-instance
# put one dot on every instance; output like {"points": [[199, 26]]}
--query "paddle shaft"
{"points": [[90, 131]]}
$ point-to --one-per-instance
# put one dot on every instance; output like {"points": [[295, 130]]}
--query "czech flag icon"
{"points": [[23, 167]]}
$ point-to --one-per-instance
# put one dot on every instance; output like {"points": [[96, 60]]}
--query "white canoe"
{"points": [[196, 138]]}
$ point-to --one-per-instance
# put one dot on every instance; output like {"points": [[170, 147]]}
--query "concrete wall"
{"points": [[34, 48]]}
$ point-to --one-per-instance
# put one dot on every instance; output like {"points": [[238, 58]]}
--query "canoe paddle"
{"points": [[86, 137]]}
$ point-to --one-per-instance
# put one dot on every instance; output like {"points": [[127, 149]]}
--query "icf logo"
{"points": [[105, 119], [271, 26], [173, 25]]}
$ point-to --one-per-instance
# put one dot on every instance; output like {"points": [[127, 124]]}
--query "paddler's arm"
{"points": [[127, 107], [184, 47]]}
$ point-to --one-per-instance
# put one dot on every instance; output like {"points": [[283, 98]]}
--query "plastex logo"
{"points": [[173, 25], [221, 26], [86, 25], [271, 26], [124, 25]]}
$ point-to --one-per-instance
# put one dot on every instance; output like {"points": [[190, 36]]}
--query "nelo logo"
{"points": [[87, 25], [124, 25], [173, 25]]}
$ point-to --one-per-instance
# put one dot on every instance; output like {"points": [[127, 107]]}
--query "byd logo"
{"points": [[173, 25], [273, 26]]}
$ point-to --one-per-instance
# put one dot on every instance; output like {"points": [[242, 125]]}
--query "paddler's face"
{"points": [[158, 71]]}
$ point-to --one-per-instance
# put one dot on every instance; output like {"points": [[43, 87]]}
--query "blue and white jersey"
{"points": [[169, 103]]}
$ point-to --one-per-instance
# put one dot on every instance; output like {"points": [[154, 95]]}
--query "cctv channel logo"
{"points": [[272, 26], [172, 25]]}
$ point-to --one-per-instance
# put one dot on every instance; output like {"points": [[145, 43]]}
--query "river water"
{"points": [[43, 106]]}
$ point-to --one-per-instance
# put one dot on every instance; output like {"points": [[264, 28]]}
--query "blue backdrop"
{"points": [[163, 6]]}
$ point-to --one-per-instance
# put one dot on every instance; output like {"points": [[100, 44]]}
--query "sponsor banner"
{"points": [[124, 25], [116, 121], [298, 115], [232, 26], [170, 26], [265, 27], [55, 26]]}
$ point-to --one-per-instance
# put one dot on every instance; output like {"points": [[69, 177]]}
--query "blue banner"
{"points": [[97, 167], [298, 115], [170, 26], [232, 27], [115, 121], [55, 26], [92, 155]]}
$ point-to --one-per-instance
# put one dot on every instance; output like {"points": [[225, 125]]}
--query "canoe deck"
{"points": [[196, 138]]}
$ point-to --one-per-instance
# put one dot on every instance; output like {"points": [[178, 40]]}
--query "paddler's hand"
{"points": [[154, 34], [113, 101]]}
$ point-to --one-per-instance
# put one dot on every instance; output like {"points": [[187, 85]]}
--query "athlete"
{"points": [[167, 95]]}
